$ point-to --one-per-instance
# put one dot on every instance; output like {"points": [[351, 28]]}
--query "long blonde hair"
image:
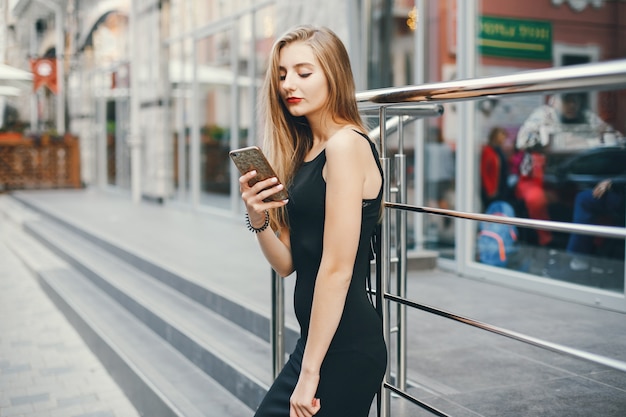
{"points": [[287, 139]]}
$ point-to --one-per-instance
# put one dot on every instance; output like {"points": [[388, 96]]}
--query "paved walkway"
{"points": [[46, 370]]}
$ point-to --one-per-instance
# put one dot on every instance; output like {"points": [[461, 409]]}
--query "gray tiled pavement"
{"points": [[46, 370], [460, 369]]}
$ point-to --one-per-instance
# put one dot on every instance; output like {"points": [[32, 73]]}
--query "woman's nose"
{"points": [[288, 84]]}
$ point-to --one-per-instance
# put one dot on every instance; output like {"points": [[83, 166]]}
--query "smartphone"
{"points": [[251, 158]]}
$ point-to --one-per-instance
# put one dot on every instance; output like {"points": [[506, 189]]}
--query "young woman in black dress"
{"points": [[315, 140]]}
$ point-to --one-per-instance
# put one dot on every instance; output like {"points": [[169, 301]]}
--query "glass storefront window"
{"points": [[557, 147], [214, 77], [429, 145], [216, 69]]}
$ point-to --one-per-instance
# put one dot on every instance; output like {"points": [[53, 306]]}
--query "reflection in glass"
{"points": [[559, 147]]}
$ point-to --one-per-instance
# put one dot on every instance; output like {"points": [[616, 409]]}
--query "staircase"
{"points": [[175, 347]]}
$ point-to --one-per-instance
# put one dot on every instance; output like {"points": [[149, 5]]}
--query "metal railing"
{"points": [[391, 102], [597, 76]]}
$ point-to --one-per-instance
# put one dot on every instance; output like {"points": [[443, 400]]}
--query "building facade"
{"points": [[160, 90]]}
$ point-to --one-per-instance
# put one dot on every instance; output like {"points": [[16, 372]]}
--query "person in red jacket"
{"points": [[494, 170]]}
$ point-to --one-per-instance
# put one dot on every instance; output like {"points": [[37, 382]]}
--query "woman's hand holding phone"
{"points": [[257, 196], [260, 188]]}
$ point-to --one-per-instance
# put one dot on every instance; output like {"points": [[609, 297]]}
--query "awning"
{"points": [[15, 77], [8, 91], [207, 75]]}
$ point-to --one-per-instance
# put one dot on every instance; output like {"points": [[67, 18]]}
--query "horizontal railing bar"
{"points": [[602, 75], [414, 400], [584, 229], [422, 110], [391, 126], [555, 347]]}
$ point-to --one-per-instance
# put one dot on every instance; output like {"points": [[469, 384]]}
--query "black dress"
{"points": [[356, 360]]}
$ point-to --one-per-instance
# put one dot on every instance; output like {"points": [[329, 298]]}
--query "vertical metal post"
{"points": [[183, 105], [59, 34], [624, 277], [194, 154], [357, 42], [419, 177], [465, 167], [60, 48], [365, 42], [34, 99], [134, 136], [235, 103], [278, 324], [401, 216], [101, 134], [385, 259], [181, 145], [235, 198], [119, 138]]}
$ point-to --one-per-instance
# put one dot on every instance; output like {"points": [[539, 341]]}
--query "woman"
{"points": [[315, 140]]}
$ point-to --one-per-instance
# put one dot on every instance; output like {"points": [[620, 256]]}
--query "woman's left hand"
{"points": [[303, 402]]}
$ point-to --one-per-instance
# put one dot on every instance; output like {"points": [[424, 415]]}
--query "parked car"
{"points": [[566, 175]]}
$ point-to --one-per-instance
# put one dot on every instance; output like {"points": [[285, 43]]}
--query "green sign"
{"points": [[514, 38]]}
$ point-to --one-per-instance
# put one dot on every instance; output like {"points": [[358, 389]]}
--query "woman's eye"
{"points": [[282, 77], [305, 75]]}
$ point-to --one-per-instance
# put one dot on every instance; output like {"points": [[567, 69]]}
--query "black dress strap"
{"points": [[374, 152]]}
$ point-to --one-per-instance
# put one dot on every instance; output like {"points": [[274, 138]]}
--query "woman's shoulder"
{"points": [[348, 139]]}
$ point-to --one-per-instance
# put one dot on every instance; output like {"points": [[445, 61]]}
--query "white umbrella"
{"points": [[15, 77]]}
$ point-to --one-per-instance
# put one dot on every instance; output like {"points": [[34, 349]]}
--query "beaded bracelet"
{"points": [[259, 229]]}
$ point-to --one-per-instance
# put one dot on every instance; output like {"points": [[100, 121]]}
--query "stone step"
{"points": [[240, 362], [236, 311], [158, 378]]}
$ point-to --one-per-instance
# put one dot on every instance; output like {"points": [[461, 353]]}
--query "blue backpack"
{"points": [[497, 242]]}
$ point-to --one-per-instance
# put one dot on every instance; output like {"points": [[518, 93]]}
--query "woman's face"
{"points": [[303, 85]]}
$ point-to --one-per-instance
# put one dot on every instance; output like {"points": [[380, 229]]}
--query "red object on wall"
{"points": [[44, 74]]}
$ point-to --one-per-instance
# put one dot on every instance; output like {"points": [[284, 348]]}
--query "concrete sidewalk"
{"points": [[462, 370]]}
